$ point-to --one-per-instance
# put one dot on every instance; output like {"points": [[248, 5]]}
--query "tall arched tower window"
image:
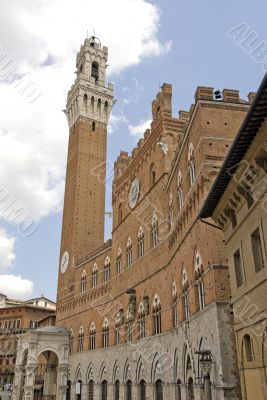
{"points": [[95, 70]]}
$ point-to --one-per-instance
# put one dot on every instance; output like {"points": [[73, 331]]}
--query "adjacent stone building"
{"points": [[237, 202], [17, 317]]}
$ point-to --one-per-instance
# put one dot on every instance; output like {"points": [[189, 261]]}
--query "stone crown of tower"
{"points": [[89, 96]]}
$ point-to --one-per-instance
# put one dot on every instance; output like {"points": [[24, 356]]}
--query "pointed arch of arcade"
{"points": [[103, 372], [115, 371], [126, 371], [90, 373]]}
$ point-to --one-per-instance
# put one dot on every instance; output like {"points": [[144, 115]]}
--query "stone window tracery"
{"points": [[141, 242], [105, 333], [92, 336], [107, 269], [118, 261], [80, 339], [191, 164], [156, 308], [154, 231], [94, 275], [129, 252], [83, 281]]}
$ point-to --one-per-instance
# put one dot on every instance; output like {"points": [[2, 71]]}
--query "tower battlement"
{"points": [[89, 96]]}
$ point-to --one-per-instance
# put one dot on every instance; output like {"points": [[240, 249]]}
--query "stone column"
{"points": [[85, 391], [135, 391], [97, 391], [28, 392], [62, 377], [73, 391], [150, 391], [18, 383]]}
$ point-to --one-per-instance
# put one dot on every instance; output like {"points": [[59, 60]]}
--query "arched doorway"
{"points": [[68, 392], [46, 376], [104, 390], [79, 385], [207, 388], [178, 395], [91, 390], [117, 390], [142, 390], [159, 390], [190, 389], [129, 390]]}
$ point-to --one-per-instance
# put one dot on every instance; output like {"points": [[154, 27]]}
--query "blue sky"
{"points": [[184, 43]]}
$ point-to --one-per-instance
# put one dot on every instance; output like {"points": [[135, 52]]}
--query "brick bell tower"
{"points": [[89, 105]]}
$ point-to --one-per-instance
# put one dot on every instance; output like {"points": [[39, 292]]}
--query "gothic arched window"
{"points": [[83, 281], [95, 70], [71, 341], [175, 319], [80, 339], [180, 190], [154, 231], [107, 269], [199, 281], [118, 261], [94, 275], [105, 333], [157, 315], [92, 336], [141, 242], [142, 321], [185, 297], [191, 166], [129, 252], [159, 389]]}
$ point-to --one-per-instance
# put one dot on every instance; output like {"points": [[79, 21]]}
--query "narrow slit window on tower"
{"points": [[93, 126]]}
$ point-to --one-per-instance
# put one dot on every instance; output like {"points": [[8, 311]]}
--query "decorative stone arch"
{"points": [[156, 368], [103, 372], [126, 372], [188, 363], [198, 264], [140, 232], [78, 374], [90, 373], [53, 343], [174, 291], [115, 372], [184, 279], [129, 243], [140, 370], [156, 304]]}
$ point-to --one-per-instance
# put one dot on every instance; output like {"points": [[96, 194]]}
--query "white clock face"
{"points": [[64, 262], [134, 192]]}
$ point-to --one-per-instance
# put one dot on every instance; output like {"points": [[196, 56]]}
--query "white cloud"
{"points": [[139, 130], [7, 255], [11, 285], [15, 286], [115, 121], [33, 137]]}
